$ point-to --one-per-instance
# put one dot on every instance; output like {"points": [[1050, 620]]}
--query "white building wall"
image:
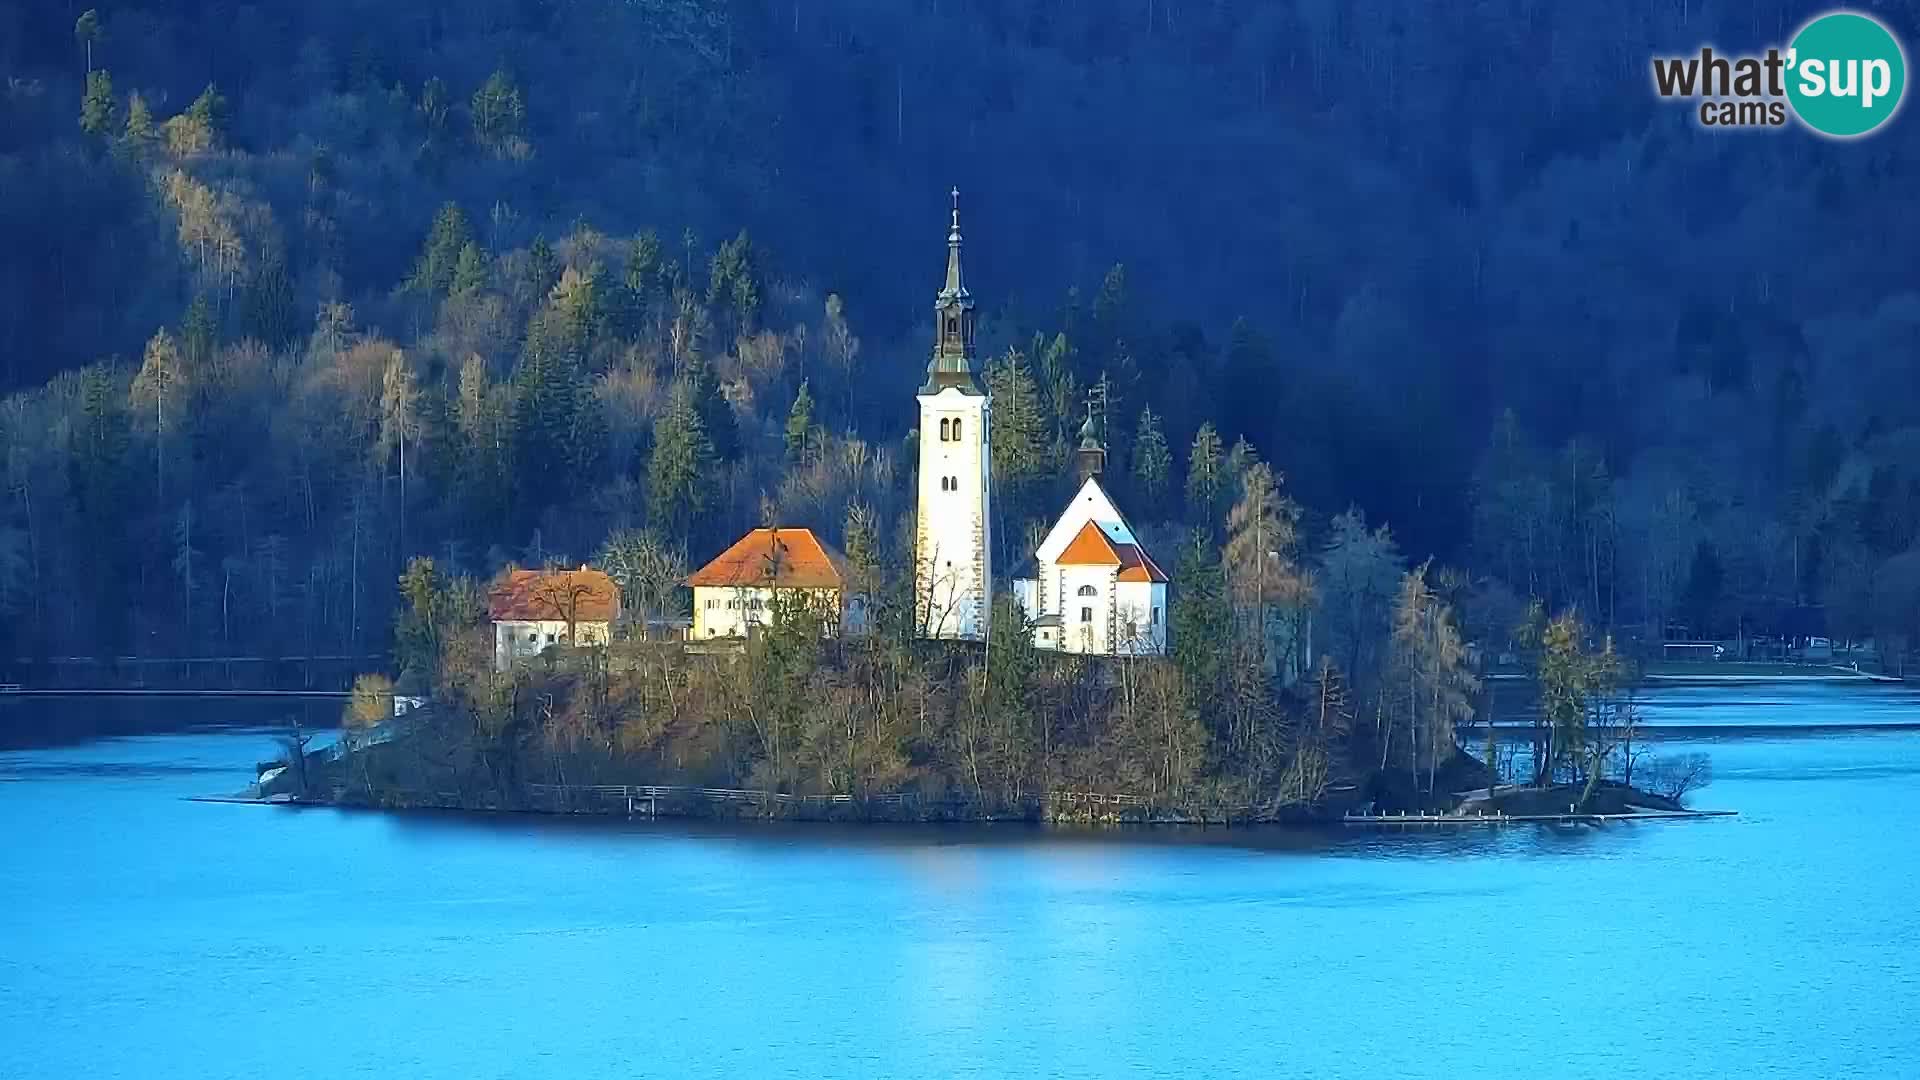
{"points": [[953, 572], [516, 640], [1141, 618], [729, 612], [1087, 596]]}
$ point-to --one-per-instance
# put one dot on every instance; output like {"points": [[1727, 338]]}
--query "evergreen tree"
{"points": [[860, 538], [802, 444], [1206, 479], [733, 283], [716, 412], [1152, 461], [1019, 446], [199, 334], [1200, 620], [643, 284], [433, 271], [140, 129], [209, 111], [499, 114], [470, 271], [97, 107], [558, 433], [679, 472], [543, 268]]}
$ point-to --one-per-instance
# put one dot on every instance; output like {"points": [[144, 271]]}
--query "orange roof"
{"points": [[1091, 546], [535, 596], [1137, 565], [790, 558]]}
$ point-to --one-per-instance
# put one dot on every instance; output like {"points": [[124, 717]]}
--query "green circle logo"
{"points": [[1846, 74]]}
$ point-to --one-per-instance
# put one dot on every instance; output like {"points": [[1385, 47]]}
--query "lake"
{"points": [[145, 936]]}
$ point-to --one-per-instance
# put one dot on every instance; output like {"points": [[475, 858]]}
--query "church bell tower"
{"points": [[953, 573]]}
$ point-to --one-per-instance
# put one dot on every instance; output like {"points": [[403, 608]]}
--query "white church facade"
{"points": [[1094, 588]]}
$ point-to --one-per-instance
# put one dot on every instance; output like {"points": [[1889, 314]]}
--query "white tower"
{"points": [[953, 574]]}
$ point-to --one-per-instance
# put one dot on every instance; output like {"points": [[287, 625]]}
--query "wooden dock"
{"points": [[1496, 818]]}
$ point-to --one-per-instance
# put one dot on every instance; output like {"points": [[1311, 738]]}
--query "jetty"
{"points": [[1498, 818]]}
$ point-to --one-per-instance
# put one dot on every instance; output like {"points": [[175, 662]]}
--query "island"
{"points": [[802, 720]]}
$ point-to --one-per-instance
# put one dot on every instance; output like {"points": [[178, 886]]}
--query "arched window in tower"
{"points": [[956, 430], [953, 326], [943, 429], [1088, 590]]}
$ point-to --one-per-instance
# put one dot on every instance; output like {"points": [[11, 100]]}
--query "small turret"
{"points": [[1091, 458]]}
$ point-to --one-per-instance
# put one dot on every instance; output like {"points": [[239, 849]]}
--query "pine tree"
{"points": [[1152, 461], [140, 129], [733, 281], [499, 114], [642, 285], [470, 271], [199, 334], [1019, 447], [716, 412], [1205, 477], [543, 269], [860, 538], [433, 271], [1200, 618], [97, 108], [209, 111], [679, 472], [801, 441]]}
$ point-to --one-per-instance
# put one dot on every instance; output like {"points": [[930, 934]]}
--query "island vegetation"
{"points": [[885, 724], [297, 294]]}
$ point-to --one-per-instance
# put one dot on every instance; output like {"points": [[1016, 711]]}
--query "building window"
{"points": [[1086, 614], [953, 326], [944, 422], [549, 639], [956, 431], [1088, 590]]}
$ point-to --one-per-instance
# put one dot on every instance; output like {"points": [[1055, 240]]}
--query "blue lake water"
{"points": [[145, 936]]}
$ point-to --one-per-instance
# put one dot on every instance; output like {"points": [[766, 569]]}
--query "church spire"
{"points": [[953, 318], [954, 287]]}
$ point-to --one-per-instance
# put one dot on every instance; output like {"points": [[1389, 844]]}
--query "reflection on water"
{"points": [[145, 936]]}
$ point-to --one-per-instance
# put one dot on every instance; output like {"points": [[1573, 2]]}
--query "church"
{"points": [[1094, 588]]}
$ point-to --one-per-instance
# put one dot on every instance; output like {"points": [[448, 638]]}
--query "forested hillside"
{"points": [[291, 292]]}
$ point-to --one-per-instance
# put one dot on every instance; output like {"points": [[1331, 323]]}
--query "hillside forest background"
{"points": [[290, 293]]}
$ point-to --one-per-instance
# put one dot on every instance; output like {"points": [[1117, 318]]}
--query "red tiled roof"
{"points": [[1137, 565], [535, 596], [803, 561], [1091, 546]]}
